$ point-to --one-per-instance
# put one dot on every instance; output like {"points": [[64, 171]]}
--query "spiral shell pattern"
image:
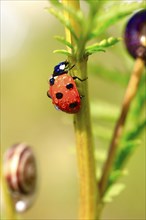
{"points": [[20, 173]]}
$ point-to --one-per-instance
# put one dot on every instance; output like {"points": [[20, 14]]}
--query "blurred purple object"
{"points": [[135, 35]]}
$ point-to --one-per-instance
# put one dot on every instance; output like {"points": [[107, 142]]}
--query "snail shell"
{"points": [[20, 173]]}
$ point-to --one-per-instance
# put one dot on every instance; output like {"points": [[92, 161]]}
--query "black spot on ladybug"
{"points": [[52, 80], [73, 104], [69, 86], [59, 95]]}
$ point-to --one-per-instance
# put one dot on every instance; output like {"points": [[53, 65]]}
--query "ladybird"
{"points": [[63, 90]]}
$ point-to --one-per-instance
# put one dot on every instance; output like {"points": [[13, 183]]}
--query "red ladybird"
{"points": [[63, 90]]}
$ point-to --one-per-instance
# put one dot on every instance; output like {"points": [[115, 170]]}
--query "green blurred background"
{"points": [[27, 114]]}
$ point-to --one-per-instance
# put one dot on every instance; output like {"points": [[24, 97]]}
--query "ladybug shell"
{"points": [[64, 94]]}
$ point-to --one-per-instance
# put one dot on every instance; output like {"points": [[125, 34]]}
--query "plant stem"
{"points": [[85, 149], [76, 5], [118, 131], [85, 155], [9, 210]]}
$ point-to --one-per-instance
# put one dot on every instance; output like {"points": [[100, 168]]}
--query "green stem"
{"points": [[84, 141], [118, 131], [85, 154]]}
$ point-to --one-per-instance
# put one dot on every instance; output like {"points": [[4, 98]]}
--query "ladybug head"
{"points": [[61, 68]]}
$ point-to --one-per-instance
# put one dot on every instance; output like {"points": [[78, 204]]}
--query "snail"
{"points": [[21, 174]]}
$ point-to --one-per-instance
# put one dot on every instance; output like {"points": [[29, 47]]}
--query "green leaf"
{"points": [[94, 6], [121, 158], [64, 41], [93, 3], [101, 45], [135, 131], [113, 15], [124, 153], [59, 15], [138, 105], [95, 49], [114, 176], [55, 2], [65, 52], [76, 15], [113, 191]]}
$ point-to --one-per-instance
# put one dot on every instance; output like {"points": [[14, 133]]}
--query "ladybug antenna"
{"points": [[71, 67]]}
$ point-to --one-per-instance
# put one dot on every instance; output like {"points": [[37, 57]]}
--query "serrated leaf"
{"points": [[59, 15], [113, 15], [137, 108], [115, 175], [135, 132], [76, 15], [93, 3], [94, 50], [101, 45], [65, 52], [124, 153], [95, 6], [109, 42], [113, 191], [121, 159], [64, 41]]}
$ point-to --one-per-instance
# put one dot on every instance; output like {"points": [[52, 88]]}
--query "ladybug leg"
{"points": [[48, 95], [75, 77], [68, 68], [71, 67]]}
